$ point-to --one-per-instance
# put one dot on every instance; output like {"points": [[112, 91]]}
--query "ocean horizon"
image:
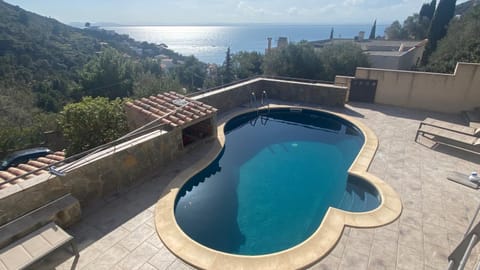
{"points": [[209, 43]]}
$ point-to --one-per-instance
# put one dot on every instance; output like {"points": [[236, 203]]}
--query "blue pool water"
{"points": [[273, 182]]}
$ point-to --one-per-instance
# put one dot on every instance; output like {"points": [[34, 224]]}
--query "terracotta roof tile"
{"points": [[31, 165], [18, 172], [6, 175], [55, 157], [36, 163], [30, 168], [46, 160], [2, 186], [174, 109]]}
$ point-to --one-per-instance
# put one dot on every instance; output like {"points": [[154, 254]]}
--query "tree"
{"points": [[110, 74], [92, 122], [431, 10], [415, 27], [152, 66], [87, 25], [23, 17], [438, 27], [428, 10], [148, 84], [342, 59], [461, 44], [191, 73], [296, 60], [21, 124], [373, 31], [394, 31], [247, 64], [424, 10], [227, 70], [331, 34]]}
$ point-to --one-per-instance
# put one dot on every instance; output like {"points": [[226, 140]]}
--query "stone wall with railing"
{"points": [[275, 89], [93, 177]]}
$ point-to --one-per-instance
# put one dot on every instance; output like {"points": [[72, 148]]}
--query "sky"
{"points": [[192, 12]]}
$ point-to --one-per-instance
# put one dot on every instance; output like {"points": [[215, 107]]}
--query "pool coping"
{"points": [[301, 256]]}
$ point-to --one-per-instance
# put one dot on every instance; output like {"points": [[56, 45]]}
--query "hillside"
{"points": [[45, 47], [41, 65], [461, 44], [462, 8], [33, 47]]}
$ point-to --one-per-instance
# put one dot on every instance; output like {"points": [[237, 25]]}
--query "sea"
{"points": [[209, 43]]}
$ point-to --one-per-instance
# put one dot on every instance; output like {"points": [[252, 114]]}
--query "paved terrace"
{"points": [[119, 232]]}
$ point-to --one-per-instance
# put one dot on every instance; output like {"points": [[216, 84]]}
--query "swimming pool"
{"points": [[274, 180], [305, 254]]}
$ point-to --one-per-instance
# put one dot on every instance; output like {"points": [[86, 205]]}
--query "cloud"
{"points": [[352, 2], [249, 9], [293, 11], [310, 12]]}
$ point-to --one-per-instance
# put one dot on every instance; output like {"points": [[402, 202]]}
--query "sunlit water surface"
{"points": [[209, 43]]}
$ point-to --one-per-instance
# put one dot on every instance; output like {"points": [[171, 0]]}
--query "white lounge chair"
{"points": [[448, 136], [450, 126]]}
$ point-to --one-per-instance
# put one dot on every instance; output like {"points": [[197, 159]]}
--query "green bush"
{"points": [[298, 60], [92, 122]]}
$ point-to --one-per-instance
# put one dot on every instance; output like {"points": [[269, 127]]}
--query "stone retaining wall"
{"points": [[292, 91], [103, 174]]}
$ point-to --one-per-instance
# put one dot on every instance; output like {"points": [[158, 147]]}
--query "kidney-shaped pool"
{"points": [[271, 185]]}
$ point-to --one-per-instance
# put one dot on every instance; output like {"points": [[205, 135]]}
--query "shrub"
{"points": [[92, 122]]}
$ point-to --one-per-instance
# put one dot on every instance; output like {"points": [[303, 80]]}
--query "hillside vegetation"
{"points": [[461, 44], [451, 38], [45, 65]]}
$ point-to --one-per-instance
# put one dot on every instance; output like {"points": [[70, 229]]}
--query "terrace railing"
{"points": [[256, 77]]}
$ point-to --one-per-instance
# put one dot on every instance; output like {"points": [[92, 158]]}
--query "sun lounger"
{"points": [[449, 137], [452, 127]]}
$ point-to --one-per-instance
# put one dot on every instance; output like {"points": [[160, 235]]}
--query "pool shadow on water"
{"points": [[210, 215]]}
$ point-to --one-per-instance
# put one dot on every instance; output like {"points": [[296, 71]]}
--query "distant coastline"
{"points": [[113, 24], [209, 42]]}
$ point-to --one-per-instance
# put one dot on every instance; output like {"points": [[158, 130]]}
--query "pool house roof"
{"points": [[171, 108]]}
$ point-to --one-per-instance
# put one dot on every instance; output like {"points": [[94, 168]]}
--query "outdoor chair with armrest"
{"points": [[449, 137]]}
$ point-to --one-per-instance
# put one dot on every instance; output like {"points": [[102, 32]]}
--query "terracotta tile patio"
{"points": [[119, 233]]}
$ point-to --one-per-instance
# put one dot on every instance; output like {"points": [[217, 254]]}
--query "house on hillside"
{"points": [[282, 42], [384, 54]]}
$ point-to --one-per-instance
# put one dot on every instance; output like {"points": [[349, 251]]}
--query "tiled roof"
{"points": [[172, 108], [31, 165]]}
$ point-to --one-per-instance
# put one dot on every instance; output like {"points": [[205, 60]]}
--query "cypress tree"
{"points": [[438, 26], [424, 10], [374, 29], [228, 75], [431, 10], [331, 34], [428, 10]]}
